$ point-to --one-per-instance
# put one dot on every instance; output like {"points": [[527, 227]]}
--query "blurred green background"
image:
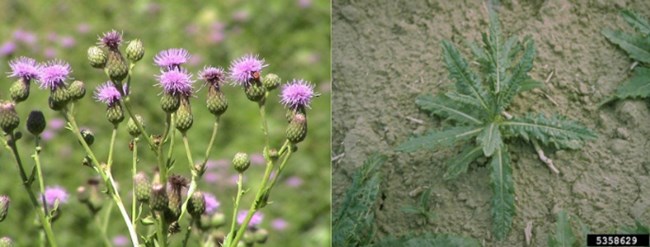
{"points": [[292, 35]]}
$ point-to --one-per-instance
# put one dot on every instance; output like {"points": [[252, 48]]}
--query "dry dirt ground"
{"points": [[385, 53]]}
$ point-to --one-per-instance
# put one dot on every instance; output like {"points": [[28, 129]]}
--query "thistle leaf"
{"points": [[459, 164], [490, 139], [639, 23], [556, 130], [353, 221], [637, 47], [503, 200], [563, 234], [442, 106], [467, 82], [439, 138], [638, 228], [428, 240], [637, 86], [529, 84]]}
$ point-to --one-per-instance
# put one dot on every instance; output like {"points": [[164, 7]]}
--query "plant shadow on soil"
{"points": [[385, 54]]}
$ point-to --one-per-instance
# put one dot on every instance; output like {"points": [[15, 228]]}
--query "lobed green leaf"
{"points": [[490, 139], [637, 47], [556, 130], [439, 138], [428, 240], [443, 106], [503, 200], [563, 234], [459, 164], [638, 86], [639, 23], [467, 82]]}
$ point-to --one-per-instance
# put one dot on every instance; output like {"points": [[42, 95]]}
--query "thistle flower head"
{"points": [[55, 193], [53, 74], [245, 69], [111, 39], [212, 75], [108, 94], [211, 203], [255, 220], [176, 82], [24, 68], [297, 94], [171, 58]]}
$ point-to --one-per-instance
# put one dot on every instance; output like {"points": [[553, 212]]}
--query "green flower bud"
{"points": [[19, 90], [4, 207], [248, 238], [170, 103], [216, 101], [135, 50], [114, 114], [261, 235], [77, 90], [88, 136], [97, 57], [255, 92], [158, 199], [291, 112], [6, 242], [176, 183], [36, 122], [184, 118], [116, 65], [271, 81], [241, 162], [297, 129], [133, 128], [196, 205], [9, 119], [59, 97], [217, 220], [142, 187]]}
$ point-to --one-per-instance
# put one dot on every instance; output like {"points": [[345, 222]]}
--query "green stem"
{"points": [[253, 207], [265, 126], [187, 233], [240, 192], [280, 169], [193, 185], [126, 101], [162, 233], [105, 174], [103, 225], [162, 163], [134, 171], [47, 227], [39, 171], [215, 127], [110, 148], [98, 224]]}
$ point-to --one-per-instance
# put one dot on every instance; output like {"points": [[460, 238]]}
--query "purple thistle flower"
{"points": [[53, 74], [212, 75], [120, 240], [47, 135], [211, 203], [294, 181], [54, 193], [7, 48], [111, 39], [211, 177], [25, 36], [83, 28], [107, 94], [246, 68], [176, 82], [258, 159], [255, 220], [56, 123], [50, 52], [171, 58], [25, 68], [67, 41], [279, 224], [297, 94]]}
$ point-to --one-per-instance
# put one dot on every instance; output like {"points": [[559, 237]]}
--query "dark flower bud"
{"points": [[77, 90], [88, 136], [271, 81], [297, 129], [97, 57], [19, 90], [184, 118], [114, 114], [36, 122], [158, 199], [196, 205], [170, 102], [4, 207], [241, 162], [9, 119], [142, 187], [135, 50], [133, 129]]}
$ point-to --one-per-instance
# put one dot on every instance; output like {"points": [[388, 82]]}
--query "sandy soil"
{"points": [[385, 54]]}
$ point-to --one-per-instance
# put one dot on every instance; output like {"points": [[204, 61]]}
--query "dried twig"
{"points": [[543, 158]]}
